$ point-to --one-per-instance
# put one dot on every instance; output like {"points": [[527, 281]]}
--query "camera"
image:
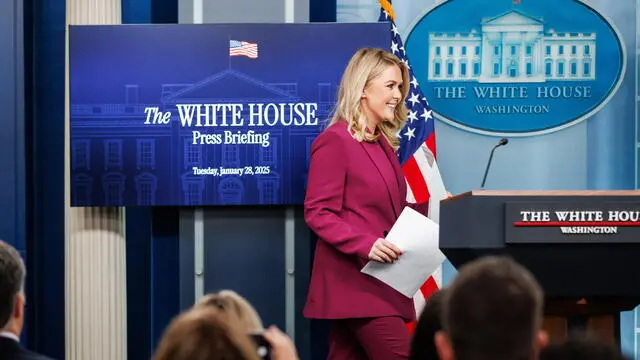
{"points": [[262, 345]]}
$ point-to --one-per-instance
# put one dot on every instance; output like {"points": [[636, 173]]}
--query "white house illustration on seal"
{"points": [[512, 47]]}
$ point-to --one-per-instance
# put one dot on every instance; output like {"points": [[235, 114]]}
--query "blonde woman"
{"points": [[205, 334], [238, 307], [240, 312], [355, 193]]}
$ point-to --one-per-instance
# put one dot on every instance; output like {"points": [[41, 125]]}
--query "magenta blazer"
{"points": [[350, 203]]}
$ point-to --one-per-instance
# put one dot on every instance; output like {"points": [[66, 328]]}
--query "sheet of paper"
{"points": [[417, 236]]}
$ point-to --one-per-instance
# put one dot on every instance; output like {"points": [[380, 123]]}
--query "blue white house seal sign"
{"points": [[517, 68]]}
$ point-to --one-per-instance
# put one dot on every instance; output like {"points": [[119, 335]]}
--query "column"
{"points": [[95, 277], [486, 54], [541, 54], [522, 71], [503, 58], [538, 58]]}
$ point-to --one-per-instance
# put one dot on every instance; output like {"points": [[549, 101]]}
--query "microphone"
{"points": [[502, 142]]}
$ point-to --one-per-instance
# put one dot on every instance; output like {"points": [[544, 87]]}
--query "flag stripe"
{"points": [[416, 181], [429, 287], [410, 197], [431, 143], [255, 51]]}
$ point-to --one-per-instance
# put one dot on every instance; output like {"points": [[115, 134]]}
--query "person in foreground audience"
{"points": [[581, 348], [241, 312], [229, 300], [492, 311], [205, 334], [423, 346], [12, 300]]}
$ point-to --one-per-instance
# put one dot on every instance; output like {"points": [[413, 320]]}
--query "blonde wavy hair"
{"points": [[205, 333], [236, 306], [364, 66]]}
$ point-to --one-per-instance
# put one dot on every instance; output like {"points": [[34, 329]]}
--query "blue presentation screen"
{"points": [[191, 115]]}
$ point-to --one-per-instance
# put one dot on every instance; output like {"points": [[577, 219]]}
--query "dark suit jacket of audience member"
{"points": [[12, 350]]}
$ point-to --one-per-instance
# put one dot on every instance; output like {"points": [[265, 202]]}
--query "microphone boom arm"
{"points": [[502, 142]]}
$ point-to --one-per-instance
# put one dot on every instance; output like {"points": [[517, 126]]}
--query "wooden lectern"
{"points": [[583, 247]]}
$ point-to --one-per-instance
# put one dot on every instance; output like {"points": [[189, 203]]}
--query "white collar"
{"points": [[9, 335]]}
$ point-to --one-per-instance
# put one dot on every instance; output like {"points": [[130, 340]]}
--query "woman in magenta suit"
{"points": [[355, 193]]}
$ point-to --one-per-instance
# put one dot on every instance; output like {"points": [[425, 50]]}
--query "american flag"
{"points": [[417, 152], [243, 48]]}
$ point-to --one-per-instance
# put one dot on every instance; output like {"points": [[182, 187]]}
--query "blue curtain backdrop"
{"points": [[12, 137], [44, 46]]}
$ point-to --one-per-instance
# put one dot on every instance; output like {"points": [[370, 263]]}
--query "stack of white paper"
{"points": [[417, 236]]}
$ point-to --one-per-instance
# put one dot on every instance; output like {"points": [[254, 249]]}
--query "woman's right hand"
{"points": [[384, 252]]}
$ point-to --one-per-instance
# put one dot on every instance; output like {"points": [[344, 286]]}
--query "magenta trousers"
{"points": [[383, 338]]}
